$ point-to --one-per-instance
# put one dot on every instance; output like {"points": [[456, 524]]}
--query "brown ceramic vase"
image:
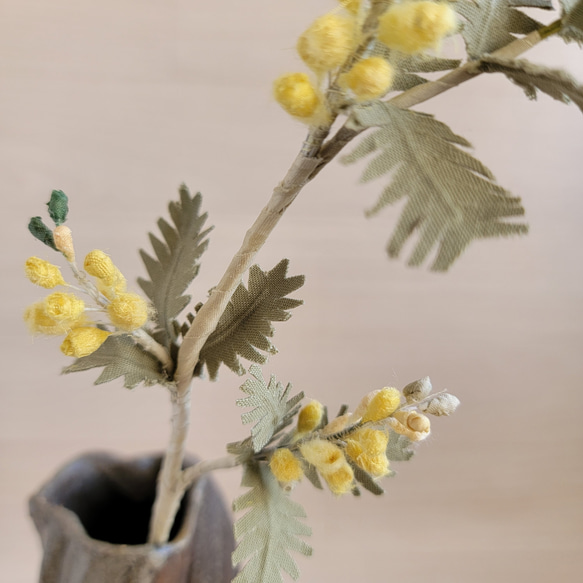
{"points": [[93, 516]]}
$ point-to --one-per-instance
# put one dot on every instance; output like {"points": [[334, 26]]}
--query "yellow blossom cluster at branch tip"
{"points": [[310, 416], [128, 311], [110, 280], [43, 273], [367, 447], [382, 404], [83, 341], [296, 94], [369, 78]]}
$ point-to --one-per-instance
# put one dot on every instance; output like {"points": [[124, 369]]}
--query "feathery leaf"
{"points": [[531, 77], [176, 263], [572, 21], [273, 409], [245, 326], [452, 197], [269, 530], [121, 356], [491, 23]]}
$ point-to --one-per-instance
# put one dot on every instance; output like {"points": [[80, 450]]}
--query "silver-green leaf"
{"points": [[121, 356], [273, 407], [176, 263], [572, 21], [399, 447], [532, 78], [491, 24], [452, 197], [269, 530], [245, 327]]}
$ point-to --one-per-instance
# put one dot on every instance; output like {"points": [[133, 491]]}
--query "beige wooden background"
{"points": [[118, 102]]}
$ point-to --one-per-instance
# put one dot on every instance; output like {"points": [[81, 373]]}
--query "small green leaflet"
{"points": [[58, 207], [491, 23], [121, 356], [399, 447], [269, 530], [176, 263], [452, 197], [572, 21], [273, 409], [531, 78], [245, 326]]}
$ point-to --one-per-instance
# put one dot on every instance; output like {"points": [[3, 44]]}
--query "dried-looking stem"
{"points": [[314, 155]]}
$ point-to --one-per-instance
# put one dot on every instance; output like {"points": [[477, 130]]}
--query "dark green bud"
{"points": [[58, 207], [41, 232]]}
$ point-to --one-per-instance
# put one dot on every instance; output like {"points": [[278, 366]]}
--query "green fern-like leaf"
{"points": [[121, 356], [491, 24], [245, 326], [532, 78], [452, 197], [176, 263], [273, 408], [269, 530], [572, 21]]}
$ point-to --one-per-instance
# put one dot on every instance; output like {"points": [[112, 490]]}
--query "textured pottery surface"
{"points": [[93, 515]]}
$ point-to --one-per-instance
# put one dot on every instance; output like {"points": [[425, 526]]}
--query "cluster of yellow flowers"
{"points": [[65, 313], [328, 47], [360, 438]]}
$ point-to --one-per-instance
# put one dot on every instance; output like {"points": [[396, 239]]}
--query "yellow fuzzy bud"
{"points": [[63, 239], [413, 27], [285, 466], [295, 93], [351, 5], [39, 322], [340, 481], [383, 403], [128, 311], [369, 78], [326, 456], [413, 425], [43, 273], [367, 447], [64, 307], [310, 417], [327, 43], [81, 342], [110, 281]]}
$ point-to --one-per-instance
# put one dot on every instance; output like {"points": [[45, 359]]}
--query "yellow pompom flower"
{"points": [[340, 481], [413, 27], [295, 93], [351, 5], [39, 322], [367, 447], [285, 466], [81, 342], [327, 43], [413, 425], [326, 456], [128, 311], [382, 404], [310, 416], [64, 307], [110, 280], [43, 273], [369, 78]]}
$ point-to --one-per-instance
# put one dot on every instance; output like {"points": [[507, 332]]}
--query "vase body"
{"points": [[93, 517]]}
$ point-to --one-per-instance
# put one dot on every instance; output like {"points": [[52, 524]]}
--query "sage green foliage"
{"points": [[491, 24], [58, 207], [452, 197], [273, 408], [246, 324], [531, 78], [572, 20], [121, 356], [365, 480], [399, 447], [269, 530], [39, 230], [176, 263]]}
